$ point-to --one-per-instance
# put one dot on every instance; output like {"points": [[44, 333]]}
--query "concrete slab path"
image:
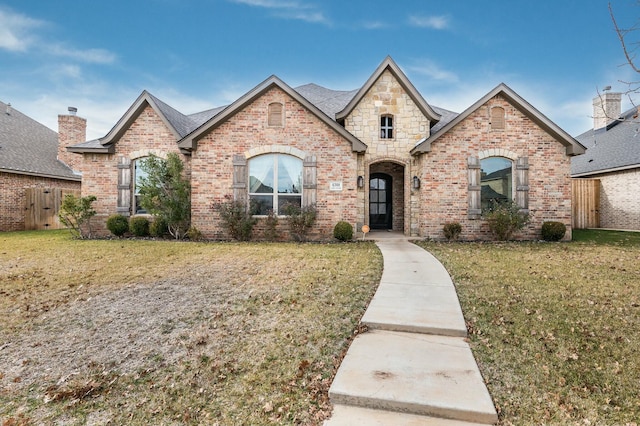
{"points": [[413, 366]]}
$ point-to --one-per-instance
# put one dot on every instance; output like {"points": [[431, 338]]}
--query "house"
{"points": [[28, 159], [613, 158], [380, 155]]}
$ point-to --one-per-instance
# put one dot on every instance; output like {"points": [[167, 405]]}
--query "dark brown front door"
{"points": [[380, 201]]}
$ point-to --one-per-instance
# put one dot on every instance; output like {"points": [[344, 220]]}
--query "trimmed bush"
{"points": [[343, 231], [505, 219], [237, 219], [139, 226], [301, 220], [553, 231], [118, 224], [452, 230], [194, 234], [158, 228]]}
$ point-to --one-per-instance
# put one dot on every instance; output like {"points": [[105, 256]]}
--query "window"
{"points": [[496, 180], [497, 118], [138, 174], [275, 115], [386, 127], [275, 180]]}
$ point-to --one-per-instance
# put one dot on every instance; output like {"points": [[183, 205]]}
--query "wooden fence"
{"points": [[42, 206], [585, 201]]}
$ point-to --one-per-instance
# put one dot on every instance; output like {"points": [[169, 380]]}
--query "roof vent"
{"points": [[8, 109], [72, 110]]}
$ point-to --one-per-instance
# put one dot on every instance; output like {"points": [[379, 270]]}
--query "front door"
{"points": [[380, 201]]}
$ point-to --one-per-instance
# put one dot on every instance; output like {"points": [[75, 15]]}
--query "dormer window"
{"points": [[276, 115], [497, 118], [386, 126]]}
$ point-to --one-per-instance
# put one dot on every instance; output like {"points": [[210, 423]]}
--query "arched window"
{"points": [[276, 114], [386, 126], [497, 118], [496, 180], [138, 174], [275, 180]]}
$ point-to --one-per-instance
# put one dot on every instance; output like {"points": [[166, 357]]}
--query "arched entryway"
{"points": [[380, 201]]}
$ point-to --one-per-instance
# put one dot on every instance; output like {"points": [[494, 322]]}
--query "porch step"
{"points": [[414, 374], [345, 415]]}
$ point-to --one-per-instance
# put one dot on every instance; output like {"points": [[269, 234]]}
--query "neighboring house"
{"points": [[613, 157], [379, 155], [28, 159]]}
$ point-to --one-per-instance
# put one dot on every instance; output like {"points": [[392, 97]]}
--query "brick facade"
{"points": [[12, 196], [619, 200]]}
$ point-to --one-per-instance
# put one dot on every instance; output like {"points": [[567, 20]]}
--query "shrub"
{"points": [[76, 212], [553, 231], [237, 219], [301, 220], [270, 226], [139, 226], [343, 231], [118, 224], [158, 228], [194, 234], [452, 230], [504, 219]]}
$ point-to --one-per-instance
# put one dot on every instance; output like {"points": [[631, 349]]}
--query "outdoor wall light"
{"points": [[360, 182], [416, 182]]}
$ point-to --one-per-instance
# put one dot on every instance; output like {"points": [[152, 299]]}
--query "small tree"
{"points": [[75, 212], [166, 193], [505, 218]]}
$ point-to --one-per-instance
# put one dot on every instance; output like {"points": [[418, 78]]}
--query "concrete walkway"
{"points": [[413, 366]]}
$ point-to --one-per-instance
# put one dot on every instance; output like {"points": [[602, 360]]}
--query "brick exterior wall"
{"points": [[444, 173], [147, 134], [12, 196], [248, 134], [619, 200]]}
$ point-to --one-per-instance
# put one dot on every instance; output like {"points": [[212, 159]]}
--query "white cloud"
{"points": [[433, 71], [289, 9], [96, 56], [433, 22], [374, 25], [15, 30]]}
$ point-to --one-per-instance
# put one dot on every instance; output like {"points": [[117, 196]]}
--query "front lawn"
{"points": [[555, 327], [163, 332]]}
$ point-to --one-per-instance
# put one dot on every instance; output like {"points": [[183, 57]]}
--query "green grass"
{"points": [[263, 350], [555, 327]]}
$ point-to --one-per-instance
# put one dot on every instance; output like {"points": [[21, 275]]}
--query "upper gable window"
{"points": [[276, 115], [497, 118], [386, 126]]}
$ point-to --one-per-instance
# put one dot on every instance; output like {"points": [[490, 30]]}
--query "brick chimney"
{"points": [[72, 130], [606, 109]]}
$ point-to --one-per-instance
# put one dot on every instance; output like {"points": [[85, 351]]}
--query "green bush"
{"points": [[237, 219], [158, 228], [194, 234], [553, 231], [118, 224], [505, 219], [343, 231], [139, 226], [76, 213], [301, 220], [452, 230]]}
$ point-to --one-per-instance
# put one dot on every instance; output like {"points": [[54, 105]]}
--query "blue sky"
{"points": [[200, 54]]}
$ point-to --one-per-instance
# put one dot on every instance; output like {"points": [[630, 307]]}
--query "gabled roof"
{"points": [[391, 66], [573, 147], [30, 148], [179, 124], [189, 142]]}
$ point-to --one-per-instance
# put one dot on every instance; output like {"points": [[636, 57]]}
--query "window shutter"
{"points": [[522, 183], [239, 178], [309, 183], [475, 207], [124, 186]]}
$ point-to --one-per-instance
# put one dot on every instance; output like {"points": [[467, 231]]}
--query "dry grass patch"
{"points": [[158, 332], [554, 327]]}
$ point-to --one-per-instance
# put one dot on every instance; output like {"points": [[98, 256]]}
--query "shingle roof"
{"points": [[614, 147], [328, 101], [28, 147]]}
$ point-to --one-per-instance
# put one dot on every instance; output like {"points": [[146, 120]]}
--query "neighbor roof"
{"points": [[611, 148], [573, 147], [30, 148]]}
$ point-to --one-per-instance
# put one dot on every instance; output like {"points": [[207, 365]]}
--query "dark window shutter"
{"points": [[309, 183], [124, 186], [240, 178], [475, 207], [522, 183]]}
